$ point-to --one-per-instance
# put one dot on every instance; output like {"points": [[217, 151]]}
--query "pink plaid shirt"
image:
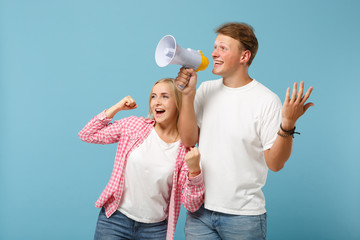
{"points": [[129, 133]]}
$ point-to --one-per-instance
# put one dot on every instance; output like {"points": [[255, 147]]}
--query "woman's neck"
{"points": [[167, 132]]}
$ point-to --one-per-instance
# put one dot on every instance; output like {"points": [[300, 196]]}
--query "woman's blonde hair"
{"points": [[175, 92]]}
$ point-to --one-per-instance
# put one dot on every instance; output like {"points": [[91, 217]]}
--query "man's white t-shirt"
{"points": [[236, 126], [148, 180]]}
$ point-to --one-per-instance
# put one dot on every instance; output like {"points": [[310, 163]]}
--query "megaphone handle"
{"points": [[182, 87]]}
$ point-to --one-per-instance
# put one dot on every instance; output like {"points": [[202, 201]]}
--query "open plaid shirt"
{"points": [[129, 133]]}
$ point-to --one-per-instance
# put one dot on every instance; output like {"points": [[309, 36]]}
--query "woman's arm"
{"points": [[127, 103], [99, 131], [192, 181]]}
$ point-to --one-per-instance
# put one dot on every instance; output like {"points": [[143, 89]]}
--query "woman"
{"points": [[150, 176]]}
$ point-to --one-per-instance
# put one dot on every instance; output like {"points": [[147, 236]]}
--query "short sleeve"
{"points": [[270, 122]]}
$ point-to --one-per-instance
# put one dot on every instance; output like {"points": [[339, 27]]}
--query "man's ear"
{"points": [[245, 56]]}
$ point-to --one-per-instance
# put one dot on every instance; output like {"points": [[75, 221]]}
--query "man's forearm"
{"points": [[293, 108], [188, 128], [279, 153]]}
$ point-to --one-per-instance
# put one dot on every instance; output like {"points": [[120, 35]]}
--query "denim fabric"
{"points": [[209, 225], [119, 226]]}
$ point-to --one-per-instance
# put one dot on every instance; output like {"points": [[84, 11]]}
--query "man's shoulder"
{"points": [[211, 83], [265, 91], [266, 97]]}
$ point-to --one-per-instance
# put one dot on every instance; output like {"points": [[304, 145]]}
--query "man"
{"points": [[242, 130]]}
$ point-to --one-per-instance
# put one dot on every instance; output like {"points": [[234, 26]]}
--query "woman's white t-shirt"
{"points": [[148, 180]]}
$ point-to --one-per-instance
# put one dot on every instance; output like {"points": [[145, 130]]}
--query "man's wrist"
{"points": [[287, 132], [287, 125], [190, 96]]}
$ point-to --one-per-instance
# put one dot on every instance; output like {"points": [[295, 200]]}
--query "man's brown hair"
{"points": [[242, 32]]}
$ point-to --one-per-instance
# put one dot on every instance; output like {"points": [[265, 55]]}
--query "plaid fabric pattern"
{"points": [[129, 133]]}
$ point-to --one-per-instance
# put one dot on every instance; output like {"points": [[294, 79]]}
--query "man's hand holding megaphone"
{"points": [[186, 81]]}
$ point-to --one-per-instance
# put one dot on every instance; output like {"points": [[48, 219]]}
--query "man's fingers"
{"points": [[181, 81], [307, 95], [181, 84], [293, 96], [306, 107], [184, 75], [300, 93], [287, 96]]}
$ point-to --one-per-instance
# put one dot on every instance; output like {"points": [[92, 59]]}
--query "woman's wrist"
{"points": [[111, 112], [194, 172]]}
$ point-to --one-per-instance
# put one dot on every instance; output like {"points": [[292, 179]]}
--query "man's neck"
{"points": [[236, 80]]}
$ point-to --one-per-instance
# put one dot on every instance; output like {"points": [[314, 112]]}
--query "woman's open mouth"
{"points": [[159, 112]]}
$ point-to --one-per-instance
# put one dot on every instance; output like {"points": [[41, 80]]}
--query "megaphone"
{"points": [[169, 52]]}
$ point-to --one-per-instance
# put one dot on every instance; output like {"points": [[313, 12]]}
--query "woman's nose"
{"points": [[157, 102]]}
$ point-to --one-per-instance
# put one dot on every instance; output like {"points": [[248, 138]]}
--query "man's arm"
{"points": [[293, 109], [187, 124]]}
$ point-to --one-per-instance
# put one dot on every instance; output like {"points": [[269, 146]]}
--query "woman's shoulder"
{"points": [[135, 122]]}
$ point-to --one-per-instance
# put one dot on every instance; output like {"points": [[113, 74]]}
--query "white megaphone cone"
{"points": [[169, 52]]}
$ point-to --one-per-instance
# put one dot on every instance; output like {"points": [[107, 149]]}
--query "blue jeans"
{"points": [[209, 225], [119, 226]]}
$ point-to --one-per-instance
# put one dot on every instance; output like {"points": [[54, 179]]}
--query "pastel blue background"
{"points": [[62, 62]]}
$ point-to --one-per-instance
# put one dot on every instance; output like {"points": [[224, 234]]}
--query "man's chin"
{"points": [[216, 72]]}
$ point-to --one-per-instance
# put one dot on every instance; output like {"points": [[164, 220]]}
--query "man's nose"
{"points": [[214, 53]]}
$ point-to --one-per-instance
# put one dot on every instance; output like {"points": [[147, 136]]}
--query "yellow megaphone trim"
{"points": [[204, 63]]}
